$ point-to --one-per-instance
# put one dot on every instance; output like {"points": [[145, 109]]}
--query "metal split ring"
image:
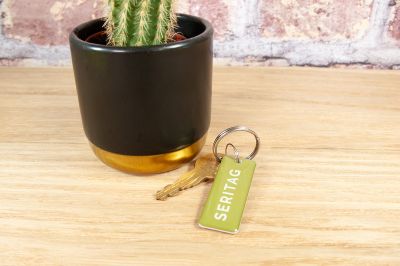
{"points": [[230, 131], [235, 151]]}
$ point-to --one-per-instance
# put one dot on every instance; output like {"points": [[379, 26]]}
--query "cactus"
{"points": [[140, 22]]}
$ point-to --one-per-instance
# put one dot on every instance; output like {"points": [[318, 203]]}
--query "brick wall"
{"points": [[355, 33]]}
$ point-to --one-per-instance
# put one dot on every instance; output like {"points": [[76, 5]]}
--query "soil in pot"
{"points": [[101, 38]]}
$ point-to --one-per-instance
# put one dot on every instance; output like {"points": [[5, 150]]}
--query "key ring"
{"points": [[235, 151], [230, 131]]}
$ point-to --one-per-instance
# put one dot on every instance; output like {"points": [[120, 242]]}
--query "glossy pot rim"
{"points": [[205, 35]]}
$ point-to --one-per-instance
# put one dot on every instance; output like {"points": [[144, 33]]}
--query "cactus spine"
{"points": [[140, 22]]}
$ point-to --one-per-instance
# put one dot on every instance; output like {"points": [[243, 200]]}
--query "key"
{"points": [[204, 171]]}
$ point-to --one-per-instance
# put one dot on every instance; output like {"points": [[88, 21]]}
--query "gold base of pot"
{"points": [[152, 164]]}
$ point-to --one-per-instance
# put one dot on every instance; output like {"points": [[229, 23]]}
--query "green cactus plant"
{"points": [[140, 22]]}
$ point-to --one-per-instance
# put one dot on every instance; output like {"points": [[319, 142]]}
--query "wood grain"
{"points": [[326, 190]]}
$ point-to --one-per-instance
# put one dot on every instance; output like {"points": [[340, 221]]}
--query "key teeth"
{"points": [[163, 194], [161, 199]]}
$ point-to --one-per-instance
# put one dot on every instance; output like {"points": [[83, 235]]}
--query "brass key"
{"points": [[204, 170]]}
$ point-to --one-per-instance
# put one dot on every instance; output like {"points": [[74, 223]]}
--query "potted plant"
{"points": [[143, 77]]}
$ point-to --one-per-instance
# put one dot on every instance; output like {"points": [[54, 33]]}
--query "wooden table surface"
{"points": [[326, 190]]}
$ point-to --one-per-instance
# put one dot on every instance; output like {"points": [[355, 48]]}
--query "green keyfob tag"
{"points": [[227, 199]]}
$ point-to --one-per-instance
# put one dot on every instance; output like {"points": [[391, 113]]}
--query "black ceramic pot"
{"points": [[145, 109]]}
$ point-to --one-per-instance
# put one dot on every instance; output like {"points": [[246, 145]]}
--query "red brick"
{"points": [[315, 19], [215, 11], [48, 21]]}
